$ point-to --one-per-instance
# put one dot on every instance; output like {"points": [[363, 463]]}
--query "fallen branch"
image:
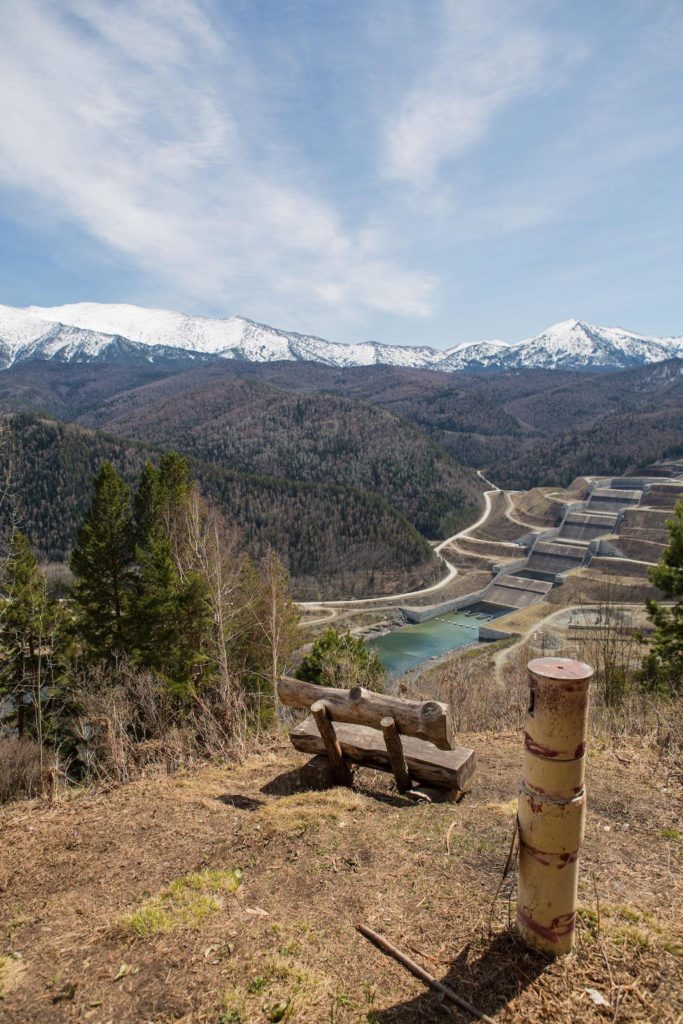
{"points": [[419, 972]]}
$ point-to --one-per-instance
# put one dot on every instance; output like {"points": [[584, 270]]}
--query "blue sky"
{"points": [[414, 171]]}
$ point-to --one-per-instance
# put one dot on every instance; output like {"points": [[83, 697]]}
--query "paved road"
{"points": [[451, 573], [501, 656]]}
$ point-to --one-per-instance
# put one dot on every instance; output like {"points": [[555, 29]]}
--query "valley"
{"points": [[352, 475], [543, 589], [341, 512]]}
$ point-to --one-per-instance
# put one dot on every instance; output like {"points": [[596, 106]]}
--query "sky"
{"points": [[412, 171]]}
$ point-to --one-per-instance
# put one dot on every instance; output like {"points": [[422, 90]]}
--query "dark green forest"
{"points": [[343, 471], [331, 538], [253, 427]]}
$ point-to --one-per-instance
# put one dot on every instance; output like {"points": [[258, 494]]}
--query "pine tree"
{"points": [[339, 659], [27, 628], [147, 505], [174, 489], [170, 612], [102, 565], [663, 667]]}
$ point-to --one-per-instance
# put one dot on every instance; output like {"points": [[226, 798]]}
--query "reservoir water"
{"points": [[411, 645]]}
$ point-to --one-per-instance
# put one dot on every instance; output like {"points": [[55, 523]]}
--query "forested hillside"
{"points": [[333, 539], [524, 428], [335, 467], [253, 427]]}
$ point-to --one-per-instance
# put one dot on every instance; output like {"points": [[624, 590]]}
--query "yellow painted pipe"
{"points": [[552, 803]]}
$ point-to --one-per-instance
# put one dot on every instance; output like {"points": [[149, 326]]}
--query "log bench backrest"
{"points": [[427, 720]]}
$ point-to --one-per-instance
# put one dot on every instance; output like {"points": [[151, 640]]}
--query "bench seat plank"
{"points": [[447, 769]]}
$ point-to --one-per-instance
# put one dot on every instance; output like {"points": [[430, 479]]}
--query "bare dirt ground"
{"points": [[80, 880]]}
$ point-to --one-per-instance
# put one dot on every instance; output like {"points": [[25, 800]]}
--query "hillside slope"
{"points": [[254, 427], [526, 427], [334, 539], [315, 864], [522, 427]]}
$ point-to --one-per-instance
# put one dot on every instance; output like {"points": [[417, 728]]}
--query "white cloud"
{"points": [[484, 59], [131, 118]]}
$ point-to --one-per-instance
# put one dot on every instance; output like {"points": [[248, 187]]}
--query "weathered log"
{"points": [[445, 769], [428, 720], [394, 747], [340, 768]]}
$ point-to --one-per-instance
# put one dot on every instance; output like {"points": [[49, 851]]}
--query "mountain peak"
{"points": [[88, 331]]}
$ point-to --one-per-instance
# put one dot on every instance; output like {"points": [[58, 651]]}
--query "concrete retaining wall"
{"points": [[606, 548], [488, 633], [509, 567], [454, 605]]}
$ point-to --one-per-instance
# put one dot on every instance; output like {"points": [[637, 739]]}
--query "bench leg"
{"points": [[340, 768], [392, 738]]}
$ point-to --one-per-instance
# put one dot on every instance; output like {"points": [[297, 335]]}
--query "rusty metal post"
{"points": [[552, 803]]}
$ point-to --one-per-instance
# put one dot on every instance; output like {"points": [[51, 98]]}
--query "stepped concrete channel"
{"points": [[587, 529]]}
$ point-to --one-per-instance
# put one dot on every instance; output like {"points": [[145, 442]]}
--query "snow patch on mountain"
{"points": [[91, 331], [574, 344]]}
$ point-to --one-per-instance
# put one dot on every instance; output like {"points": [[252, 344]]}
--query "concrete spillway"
{"points": [[551, 558], [605, 499], [584, 527], [663, 495], [516, 591]]}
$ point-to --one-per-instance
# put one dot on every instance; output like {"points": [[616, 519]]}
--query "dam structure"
{"points": [[619, 526]]}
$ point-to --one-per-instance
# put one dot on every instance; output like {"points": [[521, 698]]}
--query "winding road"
{"points": [[394, 598]]}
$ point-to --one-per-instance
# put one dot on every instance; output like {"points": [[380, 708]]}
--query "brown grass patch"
{"points": [[285, 946]]}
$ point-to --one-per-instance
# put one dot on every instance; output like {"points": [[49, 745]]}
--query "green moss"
{"points": [[672, 833], [184, 903]]}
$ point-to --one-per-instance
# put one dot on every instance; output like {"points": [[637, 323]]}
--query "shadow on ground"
{"points": [[317, 775], [241, 802], [488, 982]]}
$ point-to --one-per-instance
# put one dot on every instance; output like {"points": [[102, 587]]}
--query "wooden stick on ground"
{"points": [[419, 972]]}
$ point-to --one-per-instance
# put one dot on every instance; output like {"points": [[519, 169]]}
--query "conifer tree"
{"points": [[663, 667], [27, 629], [102, 565], [169, 617], [147, 505], [339, 659]]}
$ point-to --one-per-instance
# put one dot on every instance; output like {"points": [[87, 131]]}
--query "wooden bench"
{"points": [[413, 739]]}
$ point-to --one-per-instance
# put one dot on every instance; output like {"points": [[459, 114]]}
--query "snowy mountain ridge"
{"points": [[95, 332]]}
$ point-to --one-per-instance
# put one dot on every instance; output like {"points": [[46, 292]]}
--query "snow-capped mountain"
{"points": [[482, 355], [95, 332], [575, 344], [24, 336]]}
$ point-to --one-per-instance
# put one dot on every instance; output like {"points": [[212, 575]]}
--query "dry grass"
{"points": [[311, 810], [479, 702], [11, 970], [482, 701], [284, 945], [24, 768]]}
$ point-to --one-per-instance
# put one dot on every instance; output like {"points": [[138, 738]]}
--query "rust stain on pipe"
{"points": [[552, 803]]}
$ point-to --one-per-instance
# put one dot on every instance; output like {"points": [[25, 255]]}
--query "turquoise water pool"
{"points": [[412, 645]]}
